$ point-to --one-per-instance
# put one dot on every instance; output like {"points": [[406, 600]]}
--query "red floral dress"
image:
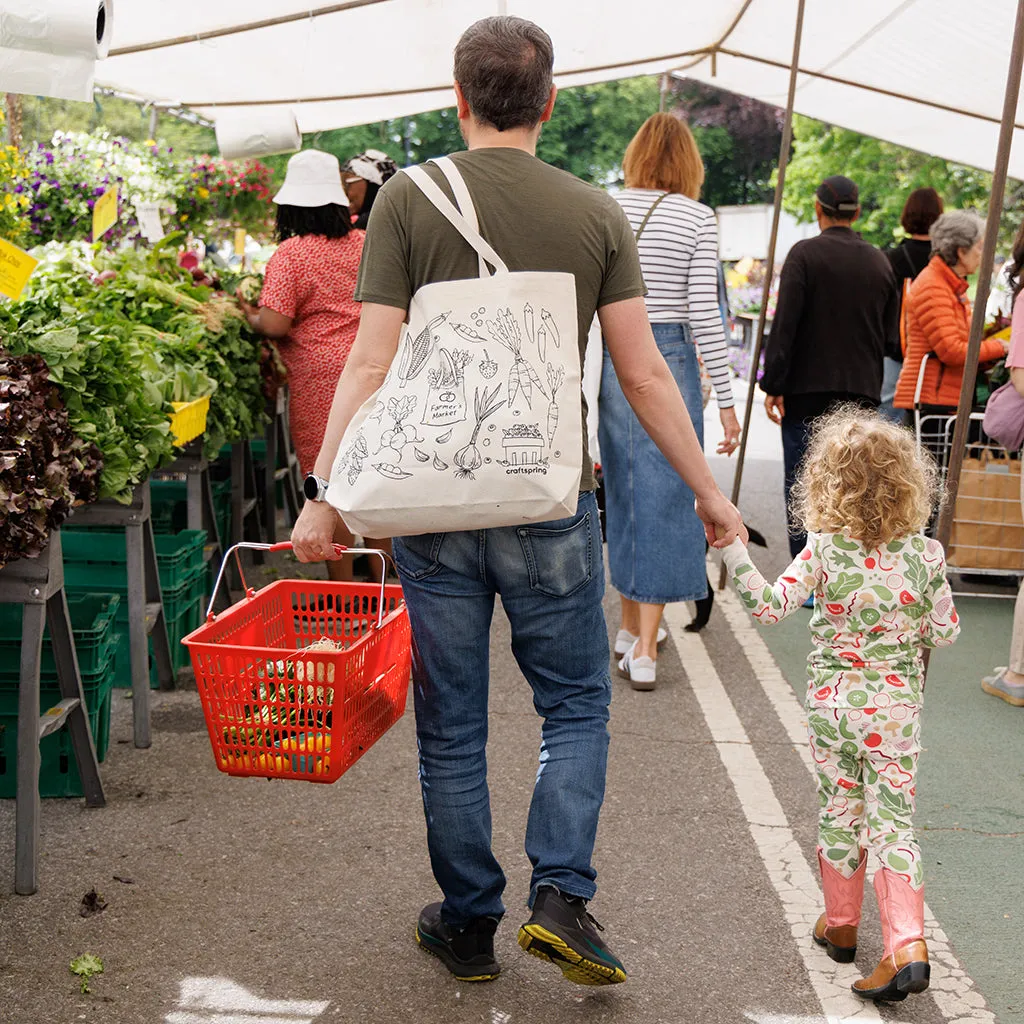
{"points": [[312, 280]]}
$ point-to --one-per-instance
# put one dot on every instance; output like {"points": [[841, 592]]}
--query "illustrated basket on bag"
{"points": [[299, 680]]}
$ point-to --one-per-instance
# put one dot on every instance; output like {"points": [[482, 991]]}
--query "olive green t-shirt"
{"points": [[535, 216]]}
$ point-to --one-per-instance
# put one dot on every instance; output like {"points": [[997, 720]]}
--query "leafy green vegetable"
{"points": [[84, 967], [44, 468], [127, 333]]}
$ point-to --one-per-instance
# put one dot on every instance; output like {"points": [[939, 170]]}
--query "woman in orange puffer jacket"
{"points": [[939, 315]]}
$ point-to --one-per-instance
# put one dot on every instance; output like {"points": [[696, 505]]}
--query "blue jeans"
{"points": [[551, 580], [890, 378]]}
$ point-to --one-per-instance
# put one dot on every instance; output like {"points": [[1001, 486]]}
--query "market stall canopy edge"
{"points": [[927, 74]]}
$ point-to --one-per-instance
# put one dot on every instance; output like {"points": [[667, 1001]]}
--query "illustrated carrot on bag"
{"points": [[555, 379]]}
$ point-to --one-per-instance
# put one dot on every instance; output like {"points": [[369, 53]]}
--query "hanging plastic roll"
{"points": [[258, 132], [50, 47]]}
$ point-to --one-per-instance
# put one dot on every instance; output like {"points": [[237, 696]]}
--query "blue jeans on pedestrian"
{"points": [[550, 578]]}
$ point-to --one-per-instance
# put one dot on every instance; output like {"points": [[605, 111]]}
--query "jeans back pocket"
{"points": [[418, 557], [559, 558]]}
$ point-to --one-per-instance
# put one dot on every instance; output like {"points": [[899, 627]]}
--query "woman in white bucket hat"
{"points": [[307, 301]]}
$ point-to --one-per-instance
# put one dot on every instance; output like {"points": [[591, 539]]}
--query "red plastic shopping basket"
{"points": [[299, 680]]}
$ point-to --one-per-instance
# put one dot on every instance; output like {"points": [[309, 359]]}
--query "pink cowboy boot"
{"points": [[836, 929], [904, 965]]}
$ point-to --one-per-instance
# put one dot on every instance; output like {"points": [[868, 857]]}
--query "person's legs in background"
{"points": [[795, 433], [890, 377]]}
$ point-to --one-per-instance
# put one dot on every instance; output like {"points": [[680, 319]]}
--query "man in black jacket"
{"points": [[838, 303]]}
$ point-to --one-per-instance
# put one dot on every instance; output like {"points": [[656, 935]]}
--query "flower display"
{"points": [[15, 201], [50, 192]]}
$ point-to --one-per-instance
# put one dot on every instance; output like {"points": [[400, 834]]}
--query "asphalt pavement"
{"points": [[246, 901]]}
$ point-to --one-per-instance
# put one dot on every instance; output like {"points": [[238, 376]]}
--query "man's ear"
{"points": [[461, 106], [546, 116]]}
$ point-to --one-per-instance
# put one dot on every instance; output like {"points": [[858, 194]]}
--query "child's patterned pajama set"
{"points": [[873, 612]]}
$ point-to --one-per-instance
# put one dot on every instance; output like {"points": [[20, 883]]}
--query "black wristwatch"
{"points": [[315, 487]]}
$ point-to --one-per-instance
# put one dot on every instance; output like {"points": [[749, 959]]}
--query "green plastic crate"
{"points": [[92, 624], [58, 772], [176, 554], [170, 507]]}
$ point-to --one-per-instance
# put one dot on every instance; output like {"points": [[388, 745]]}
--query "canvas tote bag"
{"points": [[478, 423]]}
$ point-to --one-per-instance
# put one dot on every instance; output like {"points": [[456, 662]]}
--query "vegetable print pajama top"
{"points": [[874, 611]]}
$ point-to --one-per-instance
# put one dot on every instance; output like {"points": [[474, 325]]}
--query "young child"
{"points": [[880, 594]]}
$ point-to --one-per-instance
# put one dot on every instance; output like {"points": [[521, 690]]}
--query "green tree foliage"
{"points": [[885, 174], [42, 116], [739, 139]]}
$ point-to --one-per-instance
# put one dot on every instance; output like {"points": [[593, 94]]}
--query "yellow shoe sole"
{"points": [[539, 942], [1001, 694]]}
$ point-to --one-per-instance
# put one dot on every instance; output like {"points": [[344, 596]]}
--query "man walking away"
{"points": [[550, 575], [838, 304]]}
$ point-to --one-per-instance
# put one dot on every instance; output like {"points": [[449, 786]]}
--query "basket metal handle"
{"points": [[286, 545]]}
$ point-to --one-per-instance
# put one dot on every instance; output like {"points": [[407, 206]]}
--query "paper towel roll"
{"points": [[46, 74], [50, 47], [64, 28], [250, 133]]}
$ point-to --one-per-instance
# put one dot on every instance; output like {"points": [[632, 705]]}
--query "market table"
{"points": [[145, 600], [38, 585]]}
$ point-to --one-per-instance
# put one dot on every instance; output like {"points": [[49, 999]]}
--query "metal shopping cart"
{"points": [[988, 533], [300, 679]]}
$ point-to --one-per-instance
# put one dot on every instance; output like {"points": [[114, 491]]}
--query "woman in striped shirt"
{"points": [[655, 540]]}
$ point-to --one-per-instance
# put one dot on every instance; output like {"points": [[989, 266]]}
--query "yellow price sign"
{"points": [[16, 268], [240, 235], [104, 213]]}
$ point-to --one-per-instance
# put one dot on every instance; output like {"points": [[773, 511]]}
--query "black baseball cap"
{"points": [[838, 194]]}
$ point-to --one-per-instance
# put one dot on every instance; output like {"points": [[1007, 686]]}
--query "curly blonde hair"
{"points": [[865, 477]]}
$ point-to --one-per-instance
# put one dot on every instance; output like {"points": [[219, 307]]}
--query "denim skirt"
{"points": [[656, 546]]}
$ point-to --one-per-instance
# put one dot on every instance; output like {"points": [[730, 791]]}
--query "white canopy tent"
{"points": [[928, 74]]}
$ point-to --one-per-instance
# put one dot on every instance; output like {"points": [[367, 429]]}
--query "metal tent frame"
{"points": [[995, 209]]}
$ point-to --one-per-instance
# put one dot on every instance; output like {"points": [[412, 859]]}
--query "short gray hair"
{"points": [[953, 231]]}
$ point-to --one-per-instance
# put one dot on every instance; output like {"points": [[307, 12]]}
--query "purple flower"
{"points": [[98, 190]]}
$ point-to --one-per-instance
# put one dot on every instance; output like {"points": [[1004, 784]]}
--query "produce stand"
{"points": [[201, 510], [38, 585], [145, 601], [282, 467], [246, 522]]}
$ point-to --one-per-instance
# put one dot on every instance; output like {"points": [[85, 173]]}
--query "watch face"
{"points": [[311, 488]]}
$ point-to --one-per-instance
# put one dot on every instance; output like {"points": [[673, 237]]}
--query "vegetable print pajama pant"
{"points": [[866, 765]]}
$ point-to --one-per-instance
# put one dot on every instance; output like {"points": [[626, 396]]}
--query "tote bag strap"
{"points": [[444, 206], [657, 202], [463, 200]]}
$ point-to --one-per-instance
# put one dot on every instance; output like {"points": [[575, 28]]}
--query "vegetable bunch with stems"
{"points": [[504, 329], [469, 459]]}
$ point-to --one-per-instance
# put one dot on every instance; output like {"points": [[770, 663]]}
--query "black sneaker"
{"points": [[468, 954], [561, 930]]}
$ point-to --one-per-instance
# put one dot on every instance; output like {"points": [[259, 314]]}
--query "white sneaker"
{"points": [[641, 672], [624, 639]]}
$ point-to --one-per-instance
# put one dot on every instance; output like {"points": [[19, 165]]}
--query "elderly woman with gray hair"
{"points": [[939, 316]]}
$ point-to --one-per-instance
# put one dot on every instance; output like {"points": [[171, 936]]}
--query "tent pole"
{"points": [[995, 210], [787, 139]]}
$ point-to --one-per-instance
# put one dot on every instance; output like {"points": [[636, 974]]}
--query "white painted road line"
{"points": [[953, 991], [791, 876], [222, 1001]]}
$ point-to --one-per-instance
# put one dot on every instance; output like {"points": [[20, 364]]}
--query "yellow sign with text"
{"points": [[240, 236], [16, 268], [104, 213]]}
